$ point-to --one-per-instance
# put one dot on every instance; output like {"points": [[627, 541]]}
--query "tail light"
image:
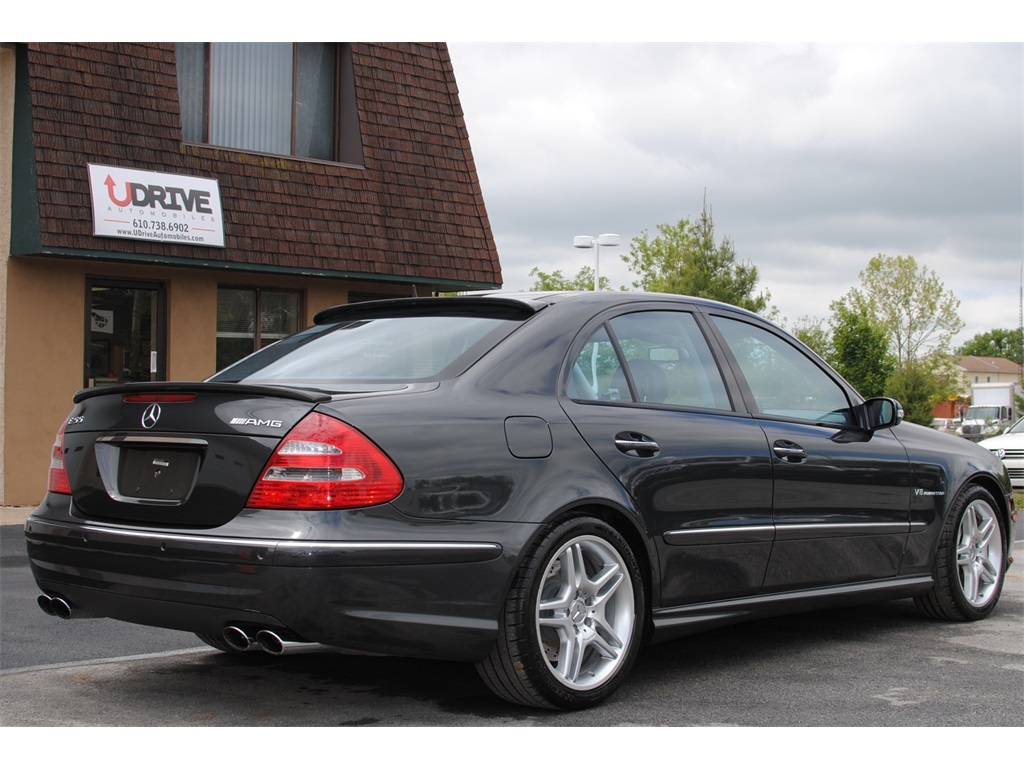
{"points": [[324, 463], [58, 480]]}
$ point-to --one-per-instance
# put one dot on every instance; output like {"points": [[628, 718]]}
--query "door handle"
{"points": [[635, 444], [789, 452]]}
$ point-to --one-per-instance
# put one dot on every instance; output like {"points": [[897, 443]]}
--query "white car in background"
{"points": [[1009, 447]]}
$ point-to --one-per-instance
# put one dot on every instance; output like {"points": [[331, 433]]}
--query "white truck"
{"points": [[991, 411]]}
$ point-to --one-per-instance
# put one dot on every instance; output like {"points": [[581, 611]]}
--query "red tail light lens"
{"points": [[58, 481], [160, 397], [324, 463]]}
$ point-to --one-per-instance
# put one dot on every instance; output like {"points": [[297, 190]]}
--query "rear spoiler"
{"points": [[504, 307], [223, 387]]}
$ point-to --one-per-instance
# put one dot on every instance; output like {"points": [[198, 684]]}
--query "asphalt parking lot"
{"points": [[880, 665]]}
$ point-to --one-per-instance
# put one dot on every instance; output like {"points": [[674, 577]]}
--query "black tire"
{"points": [[970, 561], [218, 642], [577, 649]]}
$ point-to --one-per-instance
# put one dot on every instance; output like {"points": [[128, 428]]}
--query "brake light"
{"points": [[58, 480], [324, 463], [163, 397]]}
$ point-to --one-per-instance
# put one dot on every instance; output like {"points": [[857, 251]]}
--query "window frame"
{"points": [[604, 321], [346, 144], [257, 337]]}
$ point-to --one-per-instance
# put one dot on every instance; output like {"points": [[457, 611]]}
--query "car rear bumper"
{"points": [[426, 598]]}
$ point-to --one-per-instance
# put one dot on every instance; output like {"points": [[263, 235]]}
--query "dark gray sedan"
{"points": [[536, 483]]}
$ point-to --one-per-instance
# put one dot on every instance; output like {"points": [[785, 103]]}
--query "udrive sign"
{"points": [[144, 205]]}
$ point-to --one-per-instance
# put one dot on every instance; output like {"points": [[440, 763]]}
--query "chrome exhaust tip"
{"points": [[52, 605], [45, 603], [238, 639], [61, 608], [272, 643]]}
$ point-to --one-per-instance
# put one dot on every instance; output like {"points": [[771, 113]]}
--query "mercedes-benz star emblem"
{"points": [[151, 416]]}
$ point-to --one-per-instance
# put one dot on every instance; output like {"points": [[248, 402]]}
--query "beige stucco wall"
{"points": [[6, 150], [46, 316]]}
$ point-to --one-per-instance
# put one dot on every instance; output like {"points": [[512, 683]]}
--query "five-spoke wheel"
{"points": [[573, 619], [971, 559]]}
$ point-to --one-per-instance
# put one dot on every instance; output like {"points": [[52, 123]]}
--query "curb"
{"points": [[15, 515]]}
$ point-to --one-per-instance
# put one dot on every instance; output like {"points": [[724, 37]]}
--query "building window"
{"points": [[251, 318], [279, 98], [124, 331]]}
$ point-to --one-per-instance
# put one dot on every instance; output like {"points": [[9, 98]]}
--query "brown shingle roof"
{"points": [[415, 210]]}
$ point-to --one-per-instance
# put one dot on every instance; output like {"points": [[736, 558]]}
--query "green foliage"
{"points": [[996, 343], [919, 386], [556, 281], [812, 333], [908, 306], [918, 314], [685, 259], [860, 352]]}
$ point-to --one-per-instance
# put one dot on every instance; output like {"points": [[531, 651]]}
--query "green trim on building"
{"points": [[230, 266]]}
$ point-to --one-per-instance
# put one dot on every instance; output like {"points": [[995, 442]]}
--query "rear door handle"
{"points": [[635, 444], [789, 452]]}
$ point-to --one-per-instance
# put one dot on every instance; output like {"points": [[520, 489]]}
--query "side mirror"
{"points": [[881, 413]]}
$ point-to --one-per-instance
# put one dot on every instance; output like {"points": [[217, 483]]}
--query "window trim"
{"points": [[732, 386]]}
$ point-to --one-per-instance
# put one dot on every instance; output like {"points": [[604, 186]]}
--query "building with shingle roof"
{"points": [[176, 206]]}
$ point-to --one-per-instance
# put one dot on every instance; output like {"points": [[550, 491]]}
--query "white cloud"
{"points": [[815, 158]]}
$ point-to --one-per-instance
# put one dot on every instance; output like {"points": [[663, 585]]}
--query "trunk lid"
{"points": [[175, 454]]}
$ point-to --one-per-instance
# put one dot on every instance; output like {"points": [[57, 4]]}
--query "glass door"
{"points": [[125, 332]]}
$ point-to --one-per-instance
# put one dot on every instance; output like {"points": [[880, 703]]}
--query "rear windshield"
{"points": [[380, 349]]}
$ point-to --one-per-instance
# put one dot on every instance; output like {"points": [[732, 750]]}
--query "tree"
{"points": [[815, 335], [910, 303], [556, 281], [996, 343], [684, 259], [919, 317], [860, 352]]}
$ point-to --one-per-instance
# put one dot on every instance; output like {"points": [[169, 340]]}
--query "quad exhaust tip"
{"points": [[238, 639], [266, 640]]}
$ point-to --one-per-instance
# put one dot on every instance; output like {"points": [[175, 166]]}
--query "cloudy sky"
{"points": [[814, 158]]}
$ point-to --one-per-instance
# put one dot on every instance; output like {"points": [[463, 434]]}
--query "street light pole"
{"points": [[588, 241]]}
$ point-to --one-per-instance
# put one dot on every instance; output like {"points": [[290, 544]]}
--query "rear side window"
{"points": [[656, 357], [378, 349]]}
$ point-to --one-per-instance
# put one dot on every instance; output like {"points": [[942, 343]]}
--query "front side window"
{"points": [[277, 98], [782, 379], [657, 358], [251, 318]]}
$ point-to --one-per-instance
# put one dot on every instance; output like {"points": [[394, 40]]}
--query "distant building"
{"points": [[175, 206], [970, 370], [986, 370]]}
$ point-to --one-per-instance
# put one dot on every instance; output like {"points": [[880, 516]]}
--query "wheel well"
{"points": [[997, 492], [637, 541]]}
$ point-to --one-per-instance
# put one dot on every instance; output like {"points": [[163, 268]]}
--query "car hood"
{"points": [[1015, 440]]}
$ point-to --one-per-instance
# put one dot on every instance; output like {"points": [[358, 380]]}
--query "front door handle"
{"points": [[636, 444], [789, 452]]}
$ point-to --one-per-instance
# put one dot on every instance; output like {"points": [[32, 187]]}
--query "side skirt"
{"points": [[679, 621]]}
